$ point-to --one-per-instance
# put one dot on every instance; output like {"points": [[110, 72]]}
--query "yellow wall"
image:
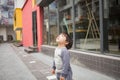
{"points": [[18, 23], [33, 3], [19, 35], [17, 18]]}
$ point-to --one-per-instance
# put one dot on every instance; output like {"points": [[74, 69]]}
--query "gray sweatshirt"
{"points": [[61, 61]]}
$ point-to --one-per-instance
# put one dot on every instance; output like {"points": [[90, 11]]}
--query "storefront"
{"points": [[93, 27]]}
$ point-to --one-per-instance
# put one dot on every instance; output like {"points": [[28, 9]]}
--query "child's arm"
{"points": [[53, 68], [66, 63]]}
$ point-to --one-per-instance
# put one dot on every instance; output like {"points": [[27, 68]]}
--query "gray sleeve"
{"points": [[54, 67], [66, 62]]}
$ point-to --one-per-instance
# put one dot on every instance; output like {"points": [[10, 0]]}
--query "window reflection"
{"points": [[87, 32], [53, 23], [87, 28], [114, 26]]}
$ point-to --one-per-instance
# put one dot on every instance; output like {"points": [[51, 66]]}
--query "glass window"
{"points": [[114, 26], [87, 32], [87, 25], [66, 21], [63, 3], [46, 26], [53, 23], [76, 11], [50, 25]]}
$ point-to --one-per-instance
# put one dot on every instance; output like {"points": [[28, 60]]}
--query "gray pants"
{"points": [[67, 77]]}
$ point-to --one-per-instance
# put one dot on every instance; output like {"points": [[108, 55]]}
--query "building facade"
{"points": [[6, 20], [94, 26], [18, 18], [18, 23], [32, 24]]}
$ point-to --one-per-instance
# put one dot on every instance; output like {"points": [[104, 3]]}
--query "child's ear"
{"points": [[66, 43]]}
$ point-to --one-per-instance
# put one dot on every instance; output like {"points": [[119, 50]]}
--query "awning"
{"points": [[44, 3], [18, 29]]}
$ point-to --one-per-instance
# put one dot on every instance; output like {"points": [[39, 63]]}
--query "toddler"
{"points": [[61, 63]]}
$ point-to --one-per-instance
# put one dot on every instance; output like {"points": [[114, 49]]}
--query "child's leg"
{"points": [[69, 76], [58, 76]]}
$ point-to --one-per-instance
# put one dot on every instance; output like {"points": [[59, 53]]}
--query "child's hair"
{"points": [[68, 39]]}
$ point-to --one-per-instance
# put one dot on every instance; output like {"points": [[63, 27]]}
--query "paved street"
{"points": [[11, 67], [15, 64]]}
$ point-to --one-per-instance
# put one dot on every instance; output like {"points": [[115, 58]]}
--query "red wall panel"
{"points": [[27, 24], [39, 24]]}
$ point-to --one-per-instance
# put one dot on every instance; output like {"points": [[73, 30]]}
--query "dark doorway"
{"points": [[34, 28]]}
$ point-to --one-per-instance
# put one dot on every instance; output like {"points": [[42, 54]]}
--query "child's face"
{"points": [[61, 39]]}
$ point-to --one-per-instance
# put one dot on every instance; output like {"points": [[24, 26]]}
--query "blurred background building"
{"points": [[18, 18], [6, 20]]}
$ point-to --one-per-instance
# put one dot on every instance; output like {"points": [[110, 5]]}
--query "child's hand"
{"points": [[62, 78], [53, 71]]}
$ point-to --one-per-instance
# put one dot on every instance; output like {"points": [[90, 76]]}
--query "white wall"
{"points": [[3, 33], [11, 32], [19, 3]]}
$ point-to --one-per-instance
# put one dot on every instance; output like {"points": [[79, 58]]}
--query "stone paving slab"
{"points": [[37, 67]]}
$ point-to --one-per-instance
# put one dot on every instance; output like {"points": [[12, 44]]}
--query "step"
{"points": [[18, 44], [33, 47], [28, 50]]}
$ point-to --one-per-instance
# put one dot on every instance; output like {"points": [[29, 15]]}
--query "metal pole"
{"points": [[101, 25], [73, 20], [58, 17], [106, 25], [48, 26], [103, 29]]}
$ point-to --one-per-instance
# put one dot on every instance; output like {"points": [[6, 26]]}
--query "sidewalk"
{"points": [[40, 64], [38, 68], [11, 66]]}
